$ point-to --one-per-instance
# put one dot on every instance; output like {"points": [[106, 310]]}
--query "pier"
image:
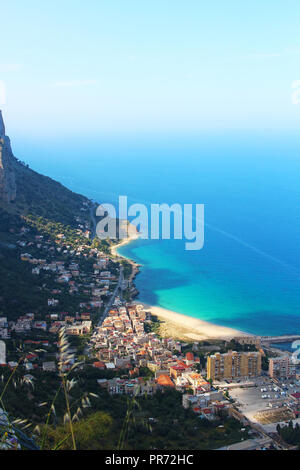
{"points": [[279, 339]]}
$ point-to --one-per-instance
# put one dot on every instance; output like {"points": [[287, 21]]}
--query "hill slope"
{"points": [[27, 197], [24, 191]]}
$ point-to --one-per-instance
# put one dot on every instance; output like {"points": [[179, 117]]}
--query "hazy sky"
{"points": [[122, 66]]}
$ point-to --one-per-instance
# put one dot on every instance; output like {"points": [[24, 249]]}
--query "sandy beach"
{"points": [[114, 252], [187, 328], [178, 325], [114, 248]]}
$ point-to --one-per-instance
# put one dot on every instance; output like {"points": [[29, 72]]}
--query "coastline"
{"points": [[114, 248], [114, 252], [175, 324], [186, 328]]}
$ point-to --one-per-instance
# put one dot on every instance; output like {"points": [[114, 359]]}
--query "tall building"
{"points": [[281, 367], [233, 365]]}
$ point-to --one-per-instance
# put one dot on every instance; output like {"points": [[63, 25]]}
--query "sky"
{"points": [[117, 67]]}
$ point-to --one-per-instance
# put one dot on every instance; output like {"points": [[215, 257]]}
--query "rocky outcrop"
{"points": [[8, 188], [2, 126]]}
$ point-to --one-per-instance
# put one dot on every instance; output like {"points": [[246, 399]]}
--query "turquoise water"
{"points": [[247, 276]]}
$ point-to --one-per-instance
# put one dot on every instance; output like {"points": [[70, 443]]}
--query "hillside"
{"points": [[29, 198], [24, 191]]}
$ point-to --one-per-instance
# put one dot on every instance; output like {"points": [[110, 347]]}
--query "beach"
{"points": [[186, 328], [114, 248], [174, 324], [114, 251]]}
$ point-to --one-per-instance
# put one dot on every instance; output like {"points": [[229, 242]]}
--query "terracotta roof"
{"points": [[189, 356], [99, 364], [165, 381]]}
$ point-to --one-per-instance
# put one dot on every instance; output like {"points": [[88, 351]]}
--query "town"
{"points": [[255, 383]]}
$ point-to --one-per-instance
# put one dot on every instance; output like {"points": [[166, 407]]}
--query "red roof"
{"points": [[165, 381], [99, 364], [31, 356], [181, 363], [189, 356], [180, 366]]}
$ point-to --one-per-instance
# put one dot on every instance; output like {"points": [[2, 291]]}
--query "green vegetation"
{"points": [[93, 433], [69, 409], [127, 268], [290, 434], [158, 422], [265, 363], [153, 325], [236, 346], [53, 229], [20, 291], [149, 422], [42, 196]]}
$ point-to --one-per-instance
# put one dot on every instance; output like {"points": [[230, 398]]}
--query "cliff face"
{"points": [[8, 188], [24, 191]]}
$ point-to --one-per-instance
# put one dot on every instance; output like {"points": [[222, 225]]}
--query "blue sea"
{"points": [[247, 276]]}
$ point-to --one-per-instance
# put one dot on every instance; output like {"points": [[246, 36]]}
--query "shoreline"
{"points": [[186, 328], [114, 252], [175, 324], [126, 241]]}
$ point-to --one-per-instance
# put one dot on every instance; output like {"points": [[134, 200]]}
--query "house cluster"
{"points": [[75, 325], [92, 278], [34, 354], [4, 331], [135, 359], [122, 342], [23, 324], [78, 324], [208, 404], [96, 283]]}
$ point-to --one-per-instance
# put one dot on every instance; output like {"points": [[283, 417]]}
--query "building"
{"points": [[189, 358], [49, 366], [178, 369], [2, 352], [259, 443], [253, 340], [164, 381], [201, 400], [281, 367], [233, 365]]}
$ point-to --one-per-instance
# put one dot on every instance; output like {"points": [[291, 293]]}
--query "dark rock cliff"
{"points": [[8, 188]]}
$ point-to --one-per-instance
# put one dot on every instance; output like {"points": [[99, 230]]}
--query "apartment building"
{"points": [[233, 365], [281, 367]]}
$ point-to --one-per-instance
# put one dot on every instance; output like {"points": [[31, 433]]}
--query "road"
{"points": [[118, 286], [112, 298], [121, 277], [88, 347]]}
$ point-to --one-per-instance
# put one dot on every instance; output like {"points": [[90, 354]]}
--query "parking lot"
{"points": [[266, 396]]}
